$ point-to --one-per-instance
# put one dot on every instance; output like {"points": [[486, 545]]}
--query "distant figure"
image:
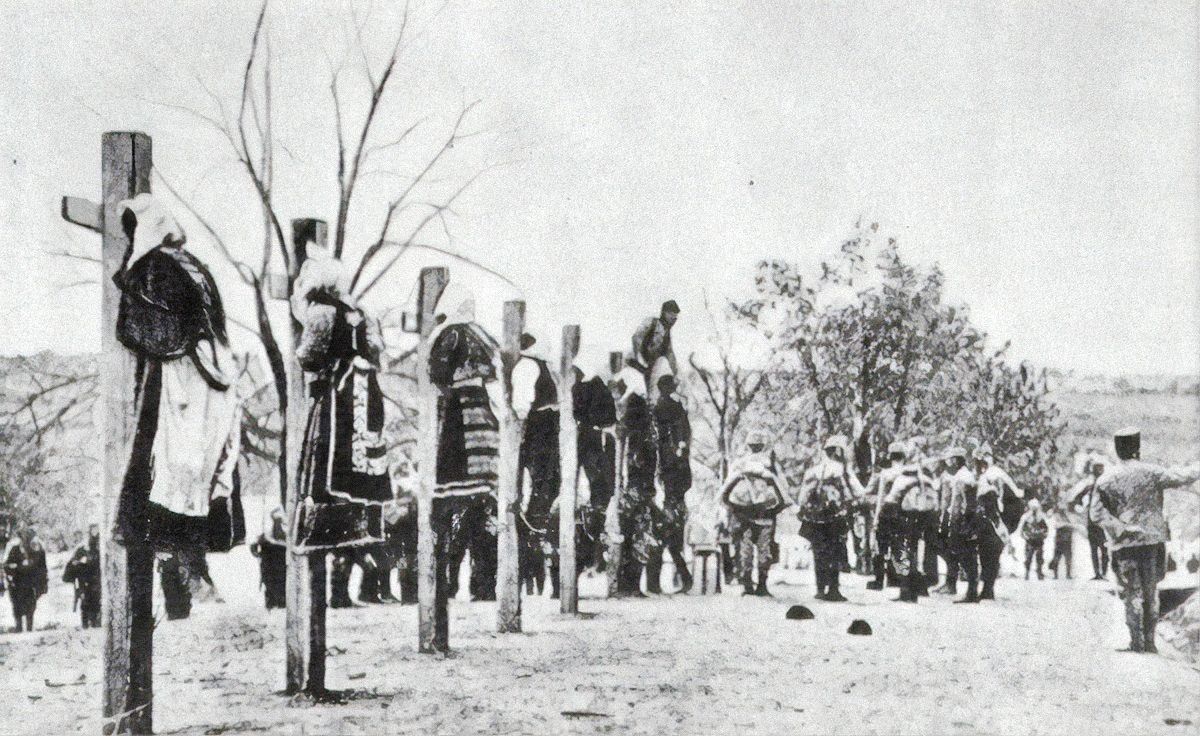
{"points": [[754, 493], [827, 493], [964, 521], [271, 551], [1129, 508], [1083, 497], [83, 571], [25, 569], [651, 352], [675, 470], [1033, 528], [994, 485], [400, 523], [1064, 541], [173, 578], [885, 523]]}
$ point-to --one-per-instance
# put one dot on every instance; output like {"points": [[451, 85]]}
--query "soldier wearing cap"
{"points": [[827, 493], [994, 485], [908, 500], [1129, 508], [754, 493], [651, 351], [884, 524]]}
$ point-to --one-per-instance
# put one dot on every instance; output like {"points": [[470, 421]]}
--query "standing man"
{"points": [[994, 484], [1129, 508], [25, 568], [963, 521], [754, 493], [827, 493], [945, 548], [1034, 527], [271, 551], [884, 524], [652, 344], [1083, 498], [675, 472], [1064, 534], [83, 570]]}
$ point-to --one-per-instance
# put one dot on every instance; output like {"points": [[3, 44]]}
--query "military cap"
{"points": [[670, 306]]}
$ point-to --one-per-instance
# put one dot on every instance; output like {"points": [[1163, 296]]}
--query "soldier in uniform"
{"points": [[1130, 510], [994, 486], [754, 493], [828, 492], [83, 571], [271, 551], [674, 434], [884, 525], [1083, 497], [963, 522]]}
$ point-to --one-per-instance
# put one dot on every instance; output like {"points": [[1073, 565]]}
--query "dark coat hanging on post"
{"points": [[343, 476], [181, 488]]}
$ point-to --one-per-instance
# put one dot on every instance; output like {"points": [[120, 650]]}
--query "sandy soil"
{"points": [[1040, 659]]}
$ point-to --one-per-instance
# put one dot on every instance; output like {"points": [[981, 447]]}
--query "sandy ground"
{"points": [[1040, 659]]}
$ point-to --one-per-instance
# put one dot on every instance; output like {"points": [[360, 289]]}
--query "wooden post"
{"points": [[305, 592], [128, 580], [433, 631], [568, 580], [508, 578], [616, 363]]}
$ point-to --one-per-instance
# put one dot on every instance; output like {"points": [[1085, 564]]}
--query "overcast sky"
{"points": [[1045, 154]]}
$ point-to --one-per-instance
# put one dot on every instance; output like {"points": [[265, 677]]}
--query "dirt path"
{"points": [[1038, 660]]}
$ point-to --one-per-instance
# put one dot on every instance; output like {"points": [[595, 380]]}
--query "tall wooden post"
{"points": [[305, 591], [433, 634], [616, 363], [568, 580], [128, 580], [508, 578]]}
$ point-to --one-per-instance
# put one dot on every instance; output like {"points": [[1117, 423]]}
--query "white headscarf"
{"points": [[635, 382], [155, 223]]}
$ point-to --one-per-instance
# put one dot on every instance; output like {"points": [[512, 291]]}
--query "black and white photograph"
{"points": [[539, 367]]}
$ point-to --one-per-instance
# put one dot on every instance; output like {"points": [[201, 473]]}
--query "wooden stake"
{"points": [[432, 600], [616, 363], [568, 580], [128, 580], [305, 592], [508, 504]]}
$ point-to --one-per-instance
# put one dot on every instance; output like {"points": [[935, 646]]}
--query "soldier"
{"points": [[1064, 541], [944, 547], [25, 568], [827, 493], [674, 470], [1129, 508], [271, 551], [754, 493], [884, 525], [83, 571], [963, 522], [1083, 497], [651, 351], [994, 485], [1034, 527], [905, 503]]}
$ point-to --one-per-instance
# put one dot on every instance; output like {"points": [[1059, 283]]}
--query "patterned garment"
{"points": [[461, 364], [755, 538], [670, 523], [1130, 502], [1139, 570]]}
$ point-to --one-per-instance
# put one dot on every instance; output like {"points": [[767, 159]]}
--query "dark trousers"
{"points": [[828, 545], [464, 524], [1099, 545], [89, 609], [24, 603], [1063, 544], [1138, 570], [947, 552], [1033, 551], [990, 550], [966, 558], [888, 540], [728, 561], [913, 532], [177, 594], [931, 541]]}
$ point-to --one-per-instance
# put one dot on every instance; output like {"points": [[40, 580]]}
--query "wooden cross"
{"points": [[304, 635], [433, 631], [128, 579], [508, 502], [568, 580]]}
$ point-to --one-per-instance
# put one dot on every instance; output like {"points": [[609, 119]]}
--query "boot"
{"points": [[687, 581], [761, 589], [747, 586], [654, 574], [834, 595]]}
